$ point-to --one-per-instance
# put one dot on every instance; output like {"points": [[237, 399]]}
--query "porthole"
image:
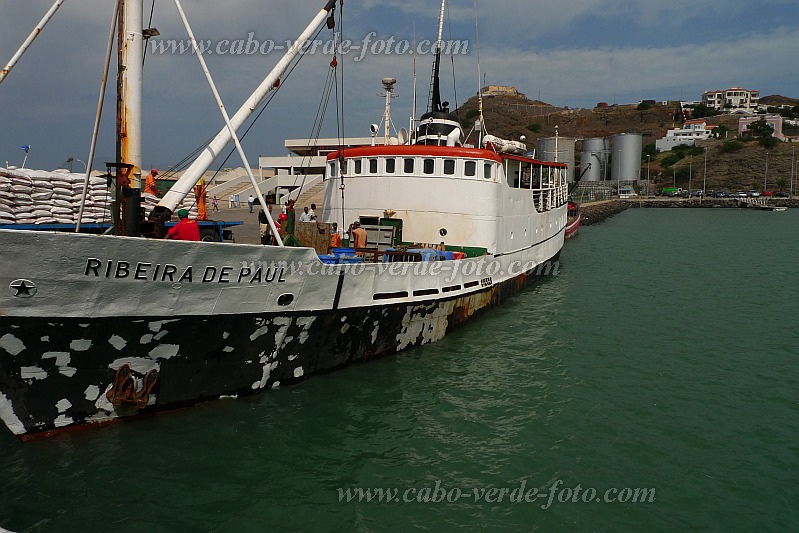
{"points": [[443, 232], [285, 299]]}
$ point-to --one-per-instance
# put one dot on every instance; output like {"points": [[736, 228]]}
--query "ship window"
{"points": [[390, 166], [429, 166], [470, 168], [487, 171], [285, 299], [449, 166], [332, 171], [357, 166], [408, 168], [373, 166]]}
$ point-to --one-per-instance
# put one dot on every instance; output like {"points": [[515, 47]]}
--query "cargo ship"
{"points": [[97, 329]]}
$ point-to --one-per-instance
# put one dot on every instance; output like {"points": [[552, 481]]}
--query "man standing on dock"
{"points": [[186, 229], [250, 201]]}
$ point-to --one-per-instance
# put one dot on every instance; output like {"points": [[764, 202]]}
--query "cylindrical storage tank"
{"points": [[626, 157], [547, 150], [594, 153]]}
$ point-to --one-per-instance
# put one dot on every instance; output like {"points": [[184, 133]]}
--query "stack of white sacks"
{"points": [[41, 197], [149, 201]]}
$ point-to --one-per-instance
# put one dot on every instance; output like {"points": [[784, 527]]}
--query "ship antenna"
{"points": [[413, 111], [479, 86], [435, 105], [388, 86]]}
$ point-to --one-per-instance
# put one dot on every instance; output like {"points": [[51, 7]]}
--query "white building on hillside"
{"points": [[733, 99], [692, 131]]}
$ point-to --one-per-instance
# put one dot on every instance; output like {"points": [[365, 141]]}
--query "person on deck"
{"points": [[312, 211], [263, 225], [186, 229], [250, 201], [358, 235], [306, 215], [150, 186]]}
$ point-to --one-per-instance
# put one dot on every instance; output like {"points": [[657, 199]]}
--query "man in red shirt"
{"points": [[186, 229]]}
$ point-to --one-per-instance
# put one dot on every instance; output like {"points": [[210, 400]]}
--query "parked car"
{"points": [[782, 194], [741, 194], [754, 194], [719, 194], [767, 193], [696, 194]]}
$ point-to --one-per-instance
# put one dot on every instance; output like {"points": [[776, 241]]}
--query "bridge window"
{"points": [[429, 166], [408, 165], [358, 166], [487, 171], [470, 168], [390, 166], [373, 166], [449, 166]]}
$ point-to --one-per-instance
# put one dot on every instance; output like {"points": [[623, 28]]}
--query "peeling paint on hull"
{"points": [[200, 358]]}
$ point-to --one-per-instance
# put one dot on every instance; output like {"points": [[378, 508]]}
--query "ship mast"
{"points": [[435, 104], [130, 47]]}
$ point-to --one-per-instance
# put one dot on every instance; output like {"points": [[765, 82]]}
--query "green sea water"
{"points": [[664, 355]]}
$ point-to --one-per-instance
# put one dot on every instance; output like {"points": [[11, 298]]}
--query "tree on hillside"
{"points": [[703, 111], [762, 132]]}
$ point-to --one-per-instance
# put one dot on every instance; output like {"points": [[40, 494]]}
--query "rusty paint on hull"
{"points": [[205, 358]]}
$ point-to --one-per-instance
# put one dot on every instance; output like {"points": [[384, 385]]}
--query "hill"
{"points": [[776, 99], [508, 116]]}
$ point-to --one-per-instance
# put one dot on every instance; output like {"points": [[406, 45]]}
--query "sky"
{"points": [[571, 53]]}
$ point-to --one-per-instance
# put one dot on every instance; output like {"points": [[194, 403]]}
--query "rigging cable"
{"points": [[174, 169], [479, 86], [149, 25], [316, 130], [452, 59], [342, 167]]}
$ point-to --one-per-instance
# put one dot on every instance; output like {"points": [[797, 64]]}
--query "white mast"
{"points": [[35, 33], [388, 85], [130, 48], [192, 175]]}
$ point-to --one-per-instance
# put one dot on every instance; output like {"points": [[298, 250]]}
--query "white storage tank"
{"points": [[626, 160], [564, 146], [594, 153]]}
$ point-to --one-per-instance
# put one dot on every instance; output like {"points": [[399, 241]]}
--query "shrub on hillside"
{"points": [[671, 159], [728, 147]]}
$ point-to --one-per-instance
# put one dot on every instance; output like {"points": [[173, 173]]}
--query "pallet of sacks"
{"points": [[54, 197]]}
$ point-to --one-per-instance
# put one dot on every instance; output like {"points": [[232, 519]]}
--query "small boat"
{"points": [[572, 219]]}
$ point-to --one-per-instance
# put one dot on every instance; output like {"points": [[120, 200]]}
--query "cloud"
{"points": [[632, 73], [575, 52]]}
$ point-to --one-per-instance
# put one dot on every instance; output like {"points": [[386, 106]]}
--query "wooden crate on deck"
{"points": [[315, 235]]}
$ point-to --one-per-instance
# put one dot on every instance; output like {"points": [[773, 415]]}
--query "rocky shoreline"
{"points": [[707, 202], [597, 212]]}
